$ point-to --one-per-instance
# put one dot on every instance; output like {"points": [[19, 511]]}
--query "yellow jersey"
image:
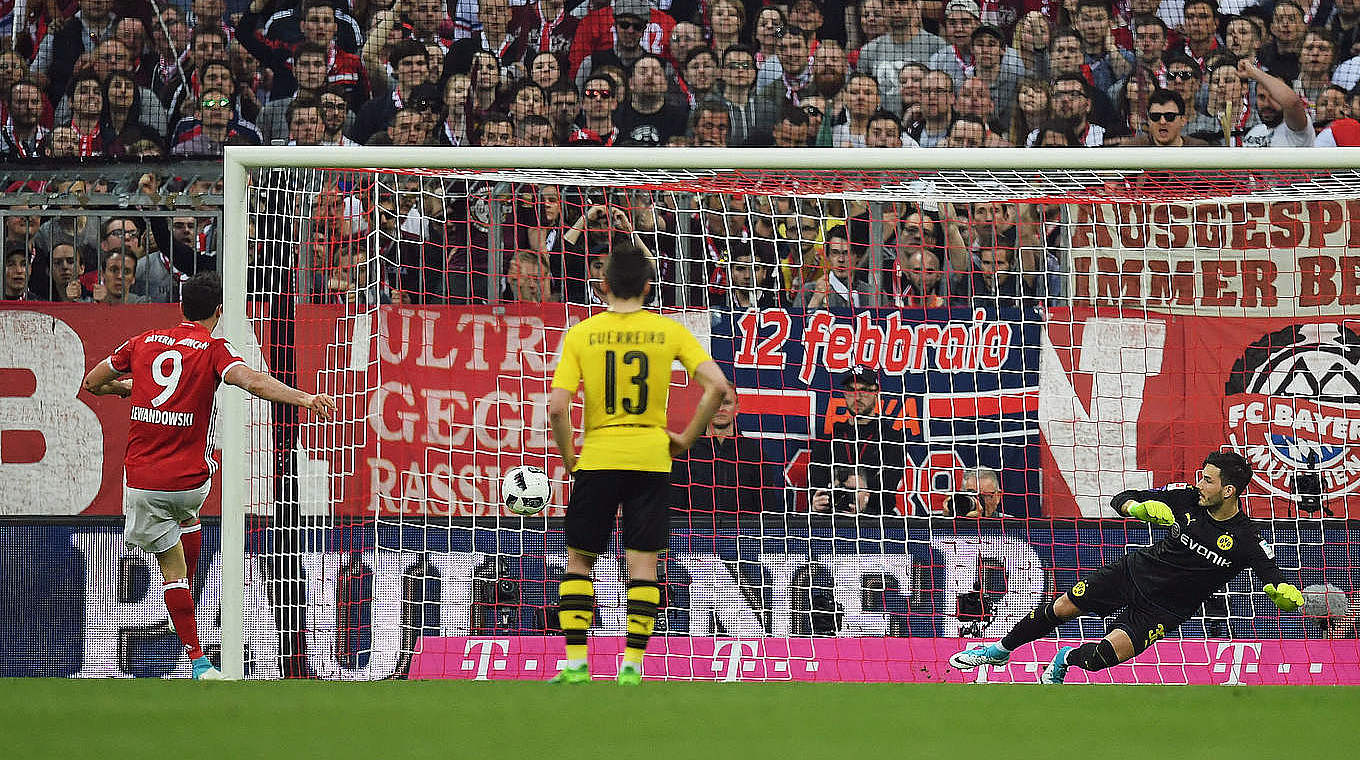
{"points": [[624, 361]]}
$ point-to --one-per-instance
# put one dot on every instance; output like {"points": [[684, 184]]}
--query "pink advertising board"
{"points": [[890, 660]]}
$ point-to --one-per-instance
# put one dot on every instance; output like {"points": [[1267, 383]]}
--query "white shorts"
{"points": [[152, 518]]}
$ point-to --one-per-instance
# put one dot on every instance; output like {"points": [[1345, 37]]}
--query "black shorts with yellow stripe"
{"points": [[597, 496], [1111, 588]]}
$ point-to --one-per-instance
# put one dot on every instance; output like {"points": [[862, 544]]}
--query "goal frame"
{"points": [[239, 160]]}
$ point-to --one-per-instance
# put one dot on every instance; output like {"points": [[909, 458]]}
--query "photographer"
{"points": [[860, 466], [981, 495]]}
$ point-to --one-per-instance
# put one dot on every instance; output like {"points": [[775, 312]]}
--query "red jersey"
{"points": [[175, 374]]}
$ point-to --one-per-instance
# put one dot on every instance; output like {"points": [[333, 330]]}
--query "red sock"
{"points": [[181, 607], [192, 538]]}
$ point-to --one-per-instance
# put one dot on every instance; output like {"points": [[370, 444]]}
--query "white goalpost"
{"points": [[1063, 324]]}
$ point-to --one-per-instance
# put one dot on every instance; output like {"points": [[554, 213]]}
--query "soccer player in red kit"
{"points": [[169, 463]]}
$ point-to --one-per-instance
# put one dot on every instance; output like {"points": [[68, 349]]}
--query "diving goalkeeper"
{"points": [[1210, 541]]}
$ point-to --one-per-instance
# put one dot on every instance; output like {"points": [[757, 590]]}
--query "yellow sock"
{"points": [[643, 599], [575, 612]]}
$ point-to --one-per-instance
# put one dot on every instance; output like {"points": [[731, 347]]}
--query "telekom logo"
{"points": [[736, 651], [1239, 651], [485, 650]]}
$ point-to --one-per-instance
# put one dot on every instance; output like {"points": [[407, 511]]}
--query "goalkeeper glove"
{"points": [[1285, 596], [1155, 512]]}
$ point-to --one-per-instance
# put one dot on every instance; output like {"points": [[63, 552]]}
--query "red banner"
{"points": [[61, 450], [1131, 403], [460, 396]]}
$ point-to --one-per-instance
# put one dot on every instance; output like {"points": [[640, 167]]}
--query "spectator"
{"points": [[87, 116], [213, 75], [838, 285], [528, 279], [1229, 106], [13, 67], [1149, 50], [17, 273], [885, 131], [792, 130], [1200, 30], [736, 88], [305, 126], [830, 67], [982, 495], [699, 76], [711, 126], [685, 38], [1054, 133], [1244, 36], [1185, 78], [861, 101], [989, 49], [118, 273], [495, 130], [1165, 120], [320, 23], [873, 22], [1072, 102], [309, 73], [1033, 106], [504, 32], [1279, 57], [1284, 116], [819, 127], [1031, 43], [966, 131], [62, 281], [549, 18], [56, 59], [996, 281], [790, 73], [1131, 97], [564, 108], [214, 128], [411, 63], [533, 131], [769, 28], [545, 69], [1102, 56], [751, 282], [21, 229], [918, 282], [1343, 26], [1317, 58], [884, 57], [974, 99], [485, 80], [909, 82], [858, 468], [726, 20], [631, 19], [937, 110], [110, 56], [205, 44], [131, 32], [601, 100], [21, 135], [1331, 105], [599, 31], [725, 473], [126, 113], [335, 116], [288, 24]]}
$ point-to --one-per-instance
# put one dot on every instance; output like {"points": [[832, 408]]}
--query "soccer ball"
{"points": [[525, 489]]}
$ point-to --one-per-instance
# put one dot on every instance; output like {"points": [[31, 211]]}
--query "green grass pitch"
{"points": [[699, 721]]}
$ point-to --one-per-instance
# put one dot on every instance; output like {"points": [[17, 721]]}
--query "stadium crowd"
{"points": [[88, 78]]}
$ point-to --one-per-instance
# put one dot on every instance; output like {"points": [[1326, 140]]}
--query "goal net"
{"points": [[943, 377]]}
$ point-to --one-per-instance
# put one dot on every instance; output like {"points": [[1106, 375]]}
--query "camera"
{"points": [[1307, 487], [843, 500], [963, 502]]}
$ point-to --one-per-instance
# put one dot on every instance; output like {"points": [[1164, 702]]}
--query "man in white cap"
{"points": [[961, 18]]}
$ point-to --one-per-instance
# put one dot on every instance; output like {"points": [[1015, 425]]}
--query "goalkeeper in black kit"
{"points": [[1210, 541]]}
